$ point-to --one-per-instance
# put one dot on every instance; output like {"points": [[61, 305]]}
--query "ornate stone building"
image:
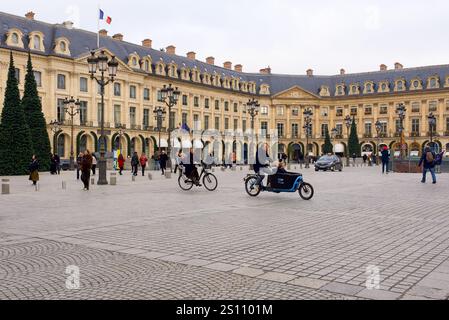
{"points": [[214, 96]]}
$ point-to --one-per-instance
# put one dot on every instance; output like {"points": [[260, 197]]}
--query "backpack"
{"points": [[429, 157]]}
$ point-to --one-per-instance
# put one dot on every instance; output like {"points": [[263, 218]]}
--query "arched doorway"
{"points": [[296, 153], [82, 143], [415, 150], [60, 145], [281, 150], [340, 149], [367, 149]]}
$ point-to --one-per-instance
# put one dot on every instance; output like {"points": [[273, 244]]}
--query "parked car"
{"points": [[65, 164], [331, 162]]}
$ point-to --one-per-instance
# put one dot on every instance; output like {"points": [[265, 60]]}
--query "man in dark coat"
{"points": [[135, 163], [385, 160], [163, 158], [86, 166], [428, 163]]}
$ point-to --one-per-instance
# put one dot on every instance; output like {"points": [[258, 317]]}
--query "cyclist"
{"points": [[190, 169], [262, 166]]}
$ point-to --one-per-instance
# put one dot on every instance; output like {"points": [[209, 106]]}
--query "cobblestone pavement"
{"points": [[150, 240]]}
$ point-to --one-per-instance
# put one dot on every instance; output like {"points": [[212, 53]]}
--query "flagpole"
{"points": [[98, 27]]}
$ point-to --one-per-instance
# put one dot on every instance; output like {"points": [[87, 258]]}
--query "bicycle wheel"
{"points": [[210, 182], [184, 183], [252, 187], [306, 191]]}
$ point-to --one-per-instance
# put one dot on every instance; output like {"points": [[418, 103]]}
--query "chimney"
{"points": [[147, 43], [68, 24], [398, 66], [227, 65], [210, 60], [238, 68], [309, 73], [191, 55], [171, 50], [103, 32], [342, 72], [265, 70], [383, 67], [30, 15], [118, 36]]}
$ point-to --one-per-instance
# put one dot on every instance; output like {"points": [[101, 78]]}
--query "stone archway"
{"points": [[63, 145], [367, 148], [296, 152]]}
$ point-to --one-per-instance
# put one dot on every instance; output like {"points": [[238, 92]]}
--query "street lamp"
{"points": [[170, 96], [72, 108], [55, 128], [348, 123], [252, 107], [432, 124], [121, 131], [378, 130], [401, 110], [308, 131], [102, 64], [159, 116]]}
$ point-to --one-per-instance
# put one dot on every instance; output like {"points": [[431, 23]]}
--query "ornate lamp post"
{"points": [[102, 64], [55, 128], [378, 130], [401, 110], [348, 123], [121, 131], [170, 96], [72, 108], [159, 116], [308, 131], [252, 107], [432, 124]]}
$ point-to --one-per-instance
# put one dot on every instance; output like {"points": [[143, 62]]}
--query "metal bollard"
{"points": [[113, 179], [167, 175], [213, 170], [150, 176], [36, 187], [133, 178], [223, 169], [64, 185], [5, 186], [241, 168], [92, 181]]}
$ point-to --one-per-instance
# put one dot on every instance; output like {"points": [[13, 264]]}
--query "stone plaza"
{"points": [[148, 239]]}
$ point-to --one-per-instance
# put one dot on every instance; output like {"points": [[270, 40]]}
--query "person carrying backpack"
{"points": [[428, 163]]}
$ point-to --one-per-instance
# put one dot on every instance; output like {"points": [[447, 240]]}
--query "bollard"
{"points": [[213, 169], [241, 168], [36, 187], [167, 175], [64, 185], [300, 166], [92, 181], [133, 178], [234, 168], [223, 169], [5, 186], [113, 179], [150, 176]]}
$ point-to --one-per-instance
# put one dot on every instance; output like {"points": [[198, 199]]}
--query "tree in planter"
{"points": [[15, 138], [353, 142], [328, 147], [34, 116]]}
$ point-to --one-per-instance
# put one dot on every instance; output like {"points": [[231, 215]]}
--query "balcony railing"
{"points": [[367, 135], [415, 134]]}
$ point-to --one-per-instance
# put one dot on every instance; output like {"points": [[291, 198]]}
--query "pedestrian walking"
{"points": [[58, 164], [178, 160], [385, 160], [134, 163], [53, 169], [86, 167], [365, 158], [79, 159], [34, 170], [143, 163], [121, 163], [163, 158], [94, 164], [428, 164]]}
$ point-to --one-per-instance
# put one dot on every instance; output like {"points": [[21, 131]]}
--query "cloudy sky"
{"points": [[288, 35]]}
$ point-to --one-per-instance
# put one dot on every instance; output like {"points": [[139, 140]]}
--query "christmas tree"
{"points": [[353, 143], [15, 137], [34, 116]]}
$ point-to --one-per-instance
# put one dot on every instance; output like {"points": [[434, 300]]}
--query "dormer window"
{"points": [[134, 62], [340, 91], [36, 42], [400, 85], [354, 89], [324, 91], [383, 87], [62, 46], [264, 89], [433, 83], [369, 87], [14, 38]]}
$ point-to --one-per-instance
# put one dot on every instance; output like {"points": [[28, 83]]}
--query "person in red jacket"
{"points": [[121, 163], [143, 163]]}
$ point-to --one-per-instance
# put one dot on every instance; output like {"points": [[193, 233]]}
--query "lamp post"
{"points": [[401, 110], [308, 131], [378, 130], [72, 108], [432, 124], [348, 123], [55, 128], [252, 108], [334, 133], [121, 131], [159, 116], [170, 96], [102, 64]]}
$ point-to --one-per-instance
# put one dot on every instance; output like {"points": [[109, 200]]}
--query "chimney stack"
{"points": [[171, 49], [147, 43], [103, 32], [342, 72], [210, 60], [398, 66], [30, 15], [309, 73], [191, 55], [227, 65], [238, 68], [68, 24], [118, 36], [265, 70], [383, 67]]}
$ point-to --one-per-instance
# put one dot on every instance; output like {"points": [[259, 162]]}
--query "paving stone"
{"points": [[250, 272], [342, 288], [221, 266], [276, 276], [173, 258], [378, 295], [309, 283]]}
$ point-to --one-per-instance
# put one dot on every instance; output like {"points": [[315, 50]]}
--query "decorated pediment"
{"points": [[296, 92]]}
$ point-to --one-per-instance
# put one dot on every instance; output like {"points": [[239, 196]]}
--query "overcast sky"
{"points": [[288, 35]]}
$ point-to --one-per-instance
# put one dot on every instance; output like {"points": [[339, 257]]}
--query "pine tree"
{"points": [[353, 142], [328, 147], [15, 137], [34, 116]]}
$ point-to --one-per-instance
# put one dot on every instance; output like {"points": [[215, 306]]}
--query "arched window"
{"points": [[147, 65], [134, 62], [61, 145], [83, 143], [37, 42], [15, 38], [433, 83], [62, 46]]}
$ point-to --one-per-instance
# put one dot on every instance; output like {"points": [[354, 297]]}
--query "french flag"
{"points": [[108, 19]]}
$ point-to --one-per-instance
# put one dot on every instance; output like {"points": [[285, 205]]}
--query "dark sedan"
{"points": [[329, 163]]}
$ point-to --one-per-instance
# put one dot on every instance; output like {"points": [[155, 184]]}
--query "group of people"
{"points": [[79, 161], [141, 161], [55, 164]]}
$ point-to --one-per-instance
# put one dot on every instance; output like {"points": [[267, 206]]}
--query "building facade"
{"points": [[213, 97]]}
